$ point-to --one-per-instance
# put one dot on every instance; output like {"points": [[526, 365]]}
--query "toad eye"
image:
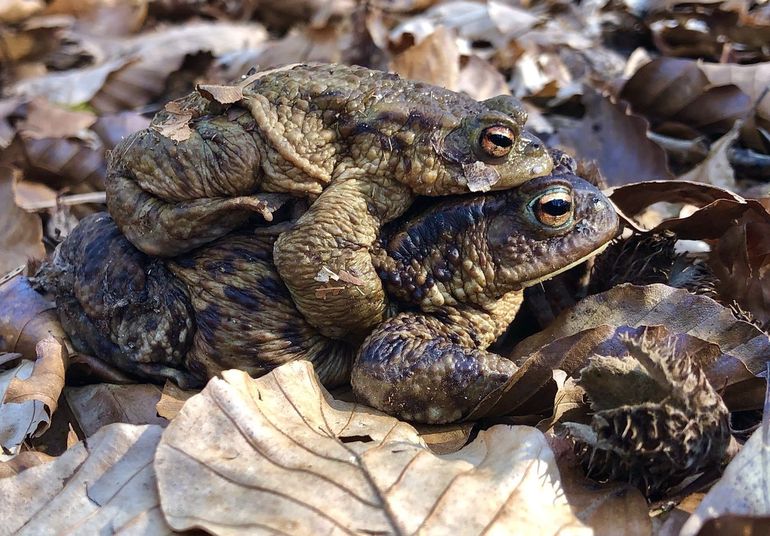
{"points": [[497, 141], [554, 209]]}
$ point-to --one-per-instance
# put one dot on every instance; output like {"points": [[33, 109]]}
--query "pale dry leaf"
{"points": [[21, 234], [95, 406], [308, 464], [104, 486], [161, 52], [479, 79], [25, 460], [716, 168], [751, 79], [496, 23], [172, 399], [435, 60], [71, 87], [221, 94], [45, 120], [744, 488], [176, 126], [12, 11], [29, 395]]}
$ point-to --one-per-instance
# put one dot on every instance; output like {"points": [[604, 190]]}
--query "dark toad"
{"points": [[456, 270], [360, 143]]}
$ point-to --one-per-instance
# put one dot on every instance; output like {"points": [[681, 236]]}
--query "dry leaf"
{"points": [[26, 318], [744, 488], [17, 10], [435, 60], [22, 462], [479, 79], [71, 87], [103, 17], [617, 141], [21, 234], [716, 168], [681, 312], [494, 22], [307, 464], [29, 394], [176, 126], [751, 79], [45, 120], [95, 406], [221, 94], [677, 90], [599, 505], [172, 399], [105, 486]]}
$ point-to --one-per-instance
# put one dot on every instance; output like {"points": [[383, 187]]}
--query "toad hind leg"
{"points": [[413, 368]]}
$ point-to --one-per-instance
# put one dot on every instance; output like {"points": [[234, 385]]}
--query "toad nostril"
{"points": [[533, 147]]}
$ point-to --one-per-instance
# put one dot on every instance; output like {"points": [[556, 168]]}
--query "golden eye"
{"points": [[497, 141], [554, 209]]}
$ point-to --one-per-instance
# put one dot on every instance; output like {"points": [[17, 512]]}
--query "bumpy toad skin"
{"points": [[362, 142], [456, 270], [464, 265]]}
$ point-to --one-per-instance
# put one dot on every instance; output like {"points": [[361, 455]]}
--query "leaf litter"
{"points": [[648, 91]]}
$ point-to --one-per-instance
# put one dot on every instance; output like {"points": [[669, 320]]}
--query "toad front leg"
{"points": [[419, 368], [334, 238]]}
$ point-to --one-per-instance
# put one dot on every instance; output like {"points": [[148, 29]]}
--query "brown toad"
{"points": [[360, 143]]}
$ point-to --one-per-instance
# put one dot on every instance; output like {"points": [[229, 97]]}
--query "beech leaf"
{"points": [[106, 486], [305, 463]]}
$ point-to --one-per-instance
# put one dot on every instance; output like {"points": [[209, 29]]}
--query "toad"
{"points": [[455, 270], [359, 143]]}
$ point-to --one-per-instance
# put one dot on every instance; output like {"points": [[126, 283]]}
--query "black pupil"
{"points": [[557, 207], [500, 140]]}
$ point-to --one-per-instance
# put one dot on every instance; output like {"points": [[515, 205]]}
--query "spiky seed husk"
{"points": [[657, 418]]}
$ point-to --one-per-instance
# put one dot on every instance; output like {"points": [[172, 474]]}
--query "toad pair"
{"points": [[362, 145]]}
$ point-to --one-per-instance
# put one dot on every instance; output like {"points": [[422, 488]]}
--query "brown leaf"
{"points": [[730, 350], [481, 80], [172, 399], [103, 17], [95, 406], [435, 60], [177, 124], [617, 140], [751, 79], [673, 89], [22, 462], [21, 234], [659, 305], [17, 10], [743, 488], [220, 94], [29, 394], [26, 318], [309, 464], [45, 120], [108, 486], [741, 261]]}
